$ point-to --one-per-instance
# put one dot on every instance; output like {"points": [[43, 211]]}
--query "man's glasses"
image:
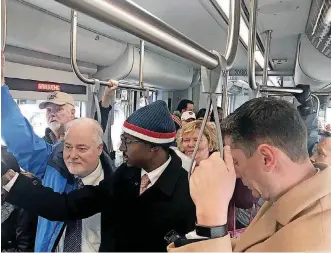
{"points": [[126, 141]]}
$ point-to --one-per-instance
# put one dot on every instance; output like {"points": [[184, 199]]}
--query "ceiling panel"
{"points": [[287, 19], [284, 48], [47, 34], [187, 16]]}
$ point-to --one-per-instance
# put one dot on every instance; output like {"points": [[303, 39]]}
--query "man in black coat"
{"points": [[146, 197], [18, 226]]}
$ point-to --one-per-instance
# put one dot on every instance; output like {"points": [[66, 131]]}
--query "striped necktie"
{"points": [[73, 235]]}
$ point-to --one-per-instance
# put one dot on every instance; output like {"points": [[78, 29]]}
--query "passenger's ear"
{"points": [[268, 154], [100, 148], [154, 148], [73, 112]]}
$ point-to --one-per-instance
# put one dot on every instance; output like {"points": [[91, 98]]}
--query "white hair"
{"points": [[97, 130]]}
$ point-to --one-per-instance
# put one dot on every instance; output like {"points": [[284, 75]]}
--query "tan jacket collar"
{"points": [[303, 195], [274, 215]]}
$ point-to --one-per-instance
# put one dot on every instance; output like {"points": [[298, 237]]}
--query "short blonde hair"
{"points": [[209, 132]]}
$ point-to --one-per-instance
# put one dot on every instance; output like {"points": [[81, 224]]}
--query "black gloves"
{"points": [[307, 107], [8, 161], [305, 96]]}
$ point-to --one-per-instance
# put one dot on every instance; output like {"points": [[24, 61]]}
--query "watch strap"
{"points": [[211, 232]]}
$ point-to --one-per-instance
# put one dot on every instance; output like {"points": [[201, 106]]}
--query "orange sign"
{"points": [[48, 87]]}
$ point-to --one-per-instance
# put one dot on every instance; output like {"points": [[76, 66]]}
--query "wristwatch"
{"points": [[5, 179], [211, 232]]}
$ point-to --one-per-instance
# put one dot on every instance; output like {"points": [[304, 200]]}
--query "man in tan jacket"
{"points": [[268, 143]]}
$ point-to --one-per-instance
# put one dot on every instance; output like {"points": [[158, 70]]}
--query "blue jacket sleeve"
{"points": [[31, 151]]}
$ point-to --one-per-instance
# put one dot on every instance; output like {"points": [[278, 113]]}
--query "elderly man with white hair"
{"points": [[81, 161]]}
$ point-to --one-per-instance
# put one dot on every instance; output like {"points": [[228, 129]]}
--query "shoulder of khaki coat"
{"points": [[213, 245]]}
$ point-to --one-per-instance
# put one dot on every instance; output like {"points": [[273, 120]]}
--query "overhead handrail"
{"points": [[3, 23], [132, 18], [252, 44], [92, 81], [73, 53], [95, 82], [291, 90], [123, 84], [266, 57], [278, 93], [233, 33]]}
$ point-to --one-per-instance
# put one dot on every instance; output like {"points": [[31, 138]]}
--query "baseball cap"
{"points": [[58, 98], [188, 115]]}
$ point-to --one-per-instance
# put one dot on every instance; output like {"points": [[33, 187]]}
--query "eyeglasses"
{"points": [[126, 141]]}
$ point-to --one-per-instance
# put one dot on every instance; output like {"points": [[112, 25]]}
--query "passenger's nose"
{"points": [[73, 154], [192, 143], [122, 147], [313, 159]]}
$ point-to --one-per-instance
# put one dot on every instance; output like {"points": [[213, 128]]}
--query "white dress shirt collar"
{"points": [[95, 177], [155, 174]]}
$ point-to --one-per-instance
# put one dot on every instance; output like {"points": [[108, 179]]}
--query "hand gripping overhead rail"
{"points": [[132, 18]]}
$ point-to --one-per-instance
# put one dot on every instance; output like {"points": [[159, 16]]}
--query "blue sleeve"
{"points": [[31, 151]]}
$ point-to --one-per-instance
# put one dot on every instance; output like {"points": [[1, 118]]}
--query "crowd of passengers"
{"points": [[149, 203]]}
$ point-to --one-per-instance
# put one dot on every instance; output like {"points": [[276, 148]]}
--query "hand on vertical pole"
{"points": [[204, 122]]}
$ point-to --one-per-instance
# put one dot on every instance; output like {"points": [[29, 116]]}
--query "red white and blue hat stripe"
{"points": [[152, 123]]}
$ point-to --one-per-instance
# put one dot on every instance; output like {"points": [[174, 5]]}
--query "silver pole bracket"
{"points": [[96, 87], [213, 80], [95, 104]]}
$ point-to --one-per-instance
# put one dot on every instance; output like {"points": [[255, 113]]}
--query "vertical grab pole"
{"points": [[224, 97], [233, 33], [252, 44], [73, 49], [3, 23], [73, 54], [211, 86], [141, 70], [266, 56], [141, 63]]}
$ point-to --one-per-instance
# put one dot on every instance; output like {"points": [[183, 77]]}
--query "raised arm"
{"points": [[43, 201], [105, 103], [31, 151]]}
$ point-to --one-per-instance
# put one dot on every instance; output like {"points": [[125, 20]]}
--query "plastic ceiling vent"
{"points": [[318, 28]]}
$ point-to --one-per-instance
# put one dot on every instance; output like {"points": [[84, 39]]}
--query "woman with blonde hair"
{"points": [[188, 137], [186, 141]]}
